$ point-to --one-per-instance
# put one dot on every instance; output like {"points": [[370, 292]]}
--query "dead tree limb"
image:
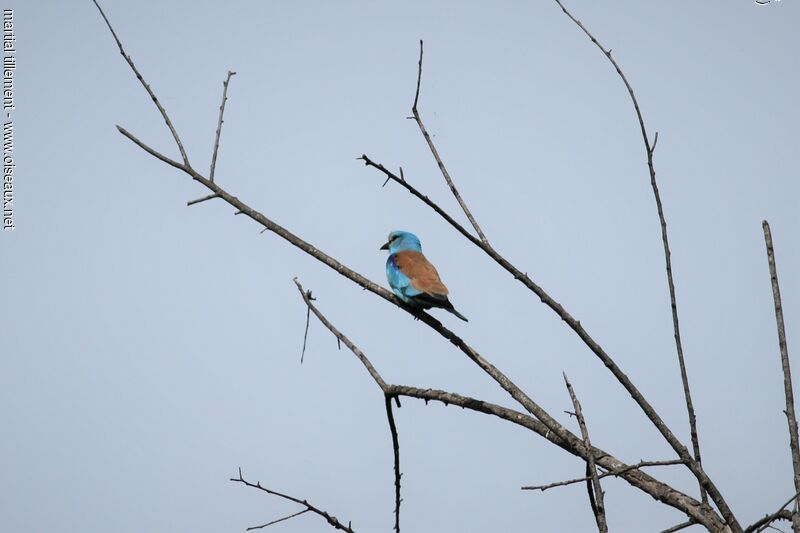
{"points": [[615, 473], [791, 418], [332, 520], [436, 156], [593, 480], [650, 149]]}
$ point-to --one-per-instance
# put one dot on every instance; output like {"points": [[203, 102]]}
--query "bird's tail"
{"points": [[459, 315]]}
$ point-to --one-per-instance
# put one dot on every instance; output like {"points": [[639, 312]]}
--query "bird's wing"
{"points": [[421, 272], [397, 280]]}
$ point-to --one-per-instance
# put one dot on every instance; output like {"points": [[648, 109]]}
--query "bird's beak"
{"points": [[385, 246]]}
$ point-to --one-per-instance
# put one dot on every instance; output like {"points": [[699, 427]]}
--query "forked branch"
{"points": [[146, 87], [593, 480], [436, 156], [332, 520]]}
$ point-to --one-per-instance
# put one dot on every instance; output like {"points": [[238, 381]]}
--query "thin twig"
{"points": [[615, 473], [147, 88], [791, 418], [158, 155], [262, 526], [667, 259], [203, 199], [397, 474], [308, 321], [219, 125], [436, 156], [780, 514], [598, 505], [332, 520], [678, 527], [378, 380], [341, 337]]}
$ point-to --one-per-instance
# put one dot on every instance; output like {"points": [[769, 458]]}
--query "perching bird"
{"points": [[411, 276]]}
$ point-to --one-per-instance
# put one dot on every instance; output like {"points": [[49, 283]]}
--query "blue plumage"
{"points": [[412, 277]]}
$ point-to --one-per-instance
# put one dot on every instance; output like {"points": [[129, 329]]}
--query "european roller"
{"points": [[412, 277]]}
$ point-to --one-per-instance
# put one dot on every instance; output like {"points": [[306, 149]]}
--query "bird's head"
{"points": [[400, 241]]}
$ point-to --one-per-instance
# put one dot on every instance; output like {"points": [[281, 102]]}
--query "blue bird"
{"points": [[412, 277]]}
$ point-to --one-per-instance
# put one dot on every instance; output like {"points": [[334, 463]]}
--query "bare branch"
{"points": [[791, 418], [615, 473], [341, 337], [598, 505], [436, 156], [219, 125], [332, 520], [147, 88], [262, 526], [668, 261], [203, 199], [397, 474], [307, 298], [151, 151], [780, 514], [678, 527]]}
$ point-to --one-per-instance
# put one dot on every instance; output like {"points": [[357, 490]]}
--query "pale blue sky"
{"points": [[150, 349]]}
